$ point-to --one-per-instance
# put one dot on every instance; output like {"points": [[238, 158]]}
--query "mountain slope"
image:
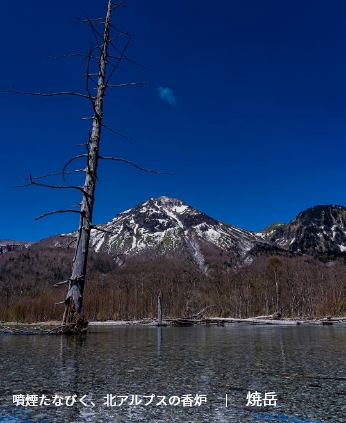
{"points": [[167, 225], [7, 245], [317, 230]]}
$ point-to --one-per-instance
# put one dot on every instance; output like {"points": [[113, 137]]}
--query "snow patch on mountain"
{"points": [[173, 216], [179, 209]]}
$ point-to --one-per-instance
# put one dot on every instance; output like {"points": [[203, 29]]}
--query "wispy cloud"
{"points": [[167, 94]]}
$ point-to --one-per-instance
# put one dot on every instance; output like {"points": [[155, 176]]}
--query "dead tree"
{"points": [[159, 309], [100, 57]]}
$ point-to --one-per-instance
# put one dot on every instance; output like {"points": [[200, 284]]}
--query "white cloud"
{"points": [[167, 94]]}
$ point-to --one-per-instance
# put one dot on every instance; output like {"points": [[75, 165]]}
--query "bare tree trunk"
{"points": [[74, 297], [277, 290], [159, 309]]}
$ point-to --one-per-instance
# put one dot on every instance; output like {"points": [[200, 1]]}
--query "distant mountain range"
{"points": [[169, 226], [318, 231], [7, 245]]}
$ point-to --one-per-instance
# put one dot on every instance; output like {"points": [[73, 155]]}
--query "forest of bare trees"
{"points": [[298, 287]]}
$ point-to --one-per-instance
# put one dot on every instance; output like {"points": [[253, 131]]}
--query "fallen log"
{"points": [[251, 320], [333, 319], [274, 316], [228, 320]]}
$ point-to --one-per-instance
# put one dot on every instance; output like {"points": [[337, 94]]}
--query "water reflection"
{"points": [[159, 340], [303, 365]]}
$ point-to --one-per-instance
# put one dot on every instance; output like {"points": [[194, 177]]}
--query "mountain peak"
{"points": [[168, 202], [322, 212], [161, 225], [165, 199], [318, 230]]}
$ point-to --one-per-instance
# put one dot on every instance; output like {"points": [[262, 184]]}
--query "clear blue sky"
{"points": [[255, 132]]}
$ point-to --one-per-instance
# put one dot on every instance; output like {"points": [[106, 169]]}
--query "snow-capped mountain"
{"points": [[169, 226], [163, 225], [317, 230]]}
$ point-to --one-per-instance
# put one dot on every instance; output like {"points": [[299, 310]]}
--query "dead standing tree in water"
{"points": [[100, 54]]}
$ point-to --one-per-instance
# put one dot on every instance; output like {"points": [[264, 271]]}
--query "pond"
{"points": [[235, 373]]}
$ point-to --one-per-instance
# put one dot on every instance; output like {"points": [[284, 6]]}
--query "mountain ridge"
{"points": [[318, 230], [166, 225]]}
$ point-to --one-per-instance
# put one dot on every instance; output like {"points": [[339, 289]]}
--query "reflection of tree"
{"points": [[72, 348], [283, 354], [159, 341]]}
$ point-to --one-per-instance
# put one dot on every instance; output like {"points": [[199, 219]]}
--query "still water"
{"points": [[304, 366]]}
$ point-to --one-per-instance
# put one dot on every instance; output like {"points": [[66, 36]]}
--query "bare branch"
{"points": [[122, 33], [97, 228], [91, 50], [58, 211], [61, 283], [89, 76], [101, 21], [79, 145], [125, 57], [45, 94], [72, 55], [91, 19], [118, 5], [94, 31], [113, 65], [96, 47], [127, 84], [71, 160], [93, 81], [122, 55], [88, 151], [91, 25], [134, 164], [109, 129], [52, 186], [115, 132], [53, 174], [113, 57], [87, 82]]}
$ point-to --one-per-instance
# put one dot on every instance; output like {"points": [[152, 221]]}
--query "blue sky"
{"points": [[246, 106]]}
